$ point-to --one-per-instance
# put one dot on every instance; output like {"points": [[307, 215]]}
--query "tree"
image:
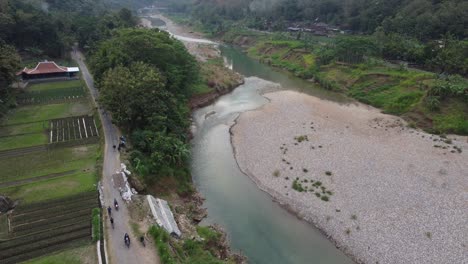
{"points": [[154, 47], [9, 65], [134, 94]]}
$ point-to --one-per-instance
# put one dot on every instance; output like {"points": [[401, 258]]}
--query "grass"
{"points": [[297, 186], [54, 85], [3, 226], [81, 255], [52, 188], [96, 220], [35, 127], [21, 141], [396, 91], [33, 113], [208, 234], [43, 163]]}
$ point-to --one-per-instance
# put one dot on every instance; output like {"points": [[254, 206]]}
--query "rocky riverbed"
{"points": [[385, 193]]}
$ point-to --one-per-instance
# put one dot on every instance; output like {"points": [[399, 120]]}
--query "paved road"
{"points": [[116, 249]]}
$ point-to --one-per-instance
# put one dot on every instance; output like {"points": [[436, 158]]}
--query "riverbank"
{"points": [[410, 93], [206, 243], [216, 79], [385, 193]]}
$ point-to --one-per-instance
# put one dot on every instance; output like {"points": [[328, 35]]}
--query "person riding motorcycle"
{"points": [[127, 240], [116, 205]]}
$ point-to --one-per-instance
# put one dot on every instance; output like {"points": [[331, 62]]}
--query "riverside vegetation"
{"points": [[434, 97]]}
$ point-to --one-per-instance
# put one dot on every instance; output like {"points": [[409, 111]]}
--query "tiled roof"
{"points": [[45, 67]]}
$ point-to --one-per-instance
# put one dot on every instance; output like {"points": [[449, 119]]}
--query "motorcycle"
{"points": [[127, 240], [142, 240], [116, 205]]}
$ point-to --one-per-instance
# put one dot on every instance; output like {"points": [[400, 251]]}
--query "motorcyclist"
{"points": [[127, 240], [116, 205]]}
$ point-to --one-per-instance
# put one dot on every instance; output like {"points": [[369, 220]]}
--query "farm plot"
{"points": [[38, 87], [41, 228], [73, 128], [55, 188], [35, 113], [46, 162], [80, 255], [50, 96]]}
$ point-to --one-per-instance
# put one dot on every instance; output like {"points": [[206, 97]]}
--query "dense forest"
{"points": [[147, 90], [426, 32], [423, 19], [32, 30]]}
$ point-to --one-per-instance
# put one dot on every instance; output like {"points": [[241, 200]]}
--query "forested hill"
{"points": [[423, 19]]}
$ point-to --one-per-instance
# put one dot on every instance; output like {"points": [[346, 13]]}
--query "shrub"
{"points": [[296, 185], [276, 173], [96, 224]]}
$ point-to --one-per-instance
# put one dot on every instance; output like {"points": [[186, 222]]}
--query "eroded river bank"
{"points": [[395, 195]]}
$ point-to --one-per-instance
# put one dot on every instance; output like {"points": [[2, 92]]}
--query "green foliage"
{"points": [[96, 220], [190, 252], [9, 65], [155, 48], [161, 238], [297, 186], [208, 234], [146, 89]]}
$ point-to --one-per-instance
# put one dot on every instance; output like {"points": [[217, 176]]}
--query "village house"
{"points": [[48, 69]]}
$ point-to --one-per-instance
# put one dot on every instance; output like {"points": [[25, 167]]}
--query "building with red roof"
{"points": [[48, 69]]}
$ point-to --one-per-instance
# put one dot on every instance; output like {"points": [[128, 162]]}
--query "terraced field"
{"points": [[48, 159], [41, 228]]}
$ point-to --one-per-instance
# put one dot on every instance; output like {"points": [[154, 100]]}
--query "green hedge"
{"points": [[96, 224]]}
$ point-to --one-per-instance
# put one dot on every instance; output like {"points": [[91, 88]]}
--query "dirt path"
{"points": [[116, 250]]}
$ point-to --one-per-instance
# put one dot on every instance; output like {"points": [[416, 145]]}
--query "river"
{"points": [[256, 225]]}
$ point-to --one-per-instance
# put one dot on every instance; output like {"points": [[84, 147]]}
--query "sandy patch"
{"points": [[396, 195]]}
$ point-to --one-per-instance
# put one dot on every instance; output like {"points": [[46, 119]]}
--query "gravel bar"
{"points": [[395, 194]]}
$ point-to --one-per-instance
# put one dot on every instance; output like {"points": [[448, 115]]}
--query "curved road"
{"points": [[117, 252]]}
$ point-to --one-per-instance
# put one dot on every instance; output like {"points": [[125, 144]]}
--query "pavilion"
{"points": [[48, 69]]}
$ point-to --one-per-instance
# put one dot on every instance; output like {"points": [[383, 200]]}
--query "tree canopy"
{"points": [[154, 47], [147, 89]]}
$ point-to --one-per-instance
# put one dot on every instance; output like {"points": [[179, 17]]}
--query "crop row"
{"points": [[75, 128], [45, 243], [50, 220], [56, 202], [35, 97], [73, 143], [51, 226], [53, 211], [44, 251], [33, 238]]}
